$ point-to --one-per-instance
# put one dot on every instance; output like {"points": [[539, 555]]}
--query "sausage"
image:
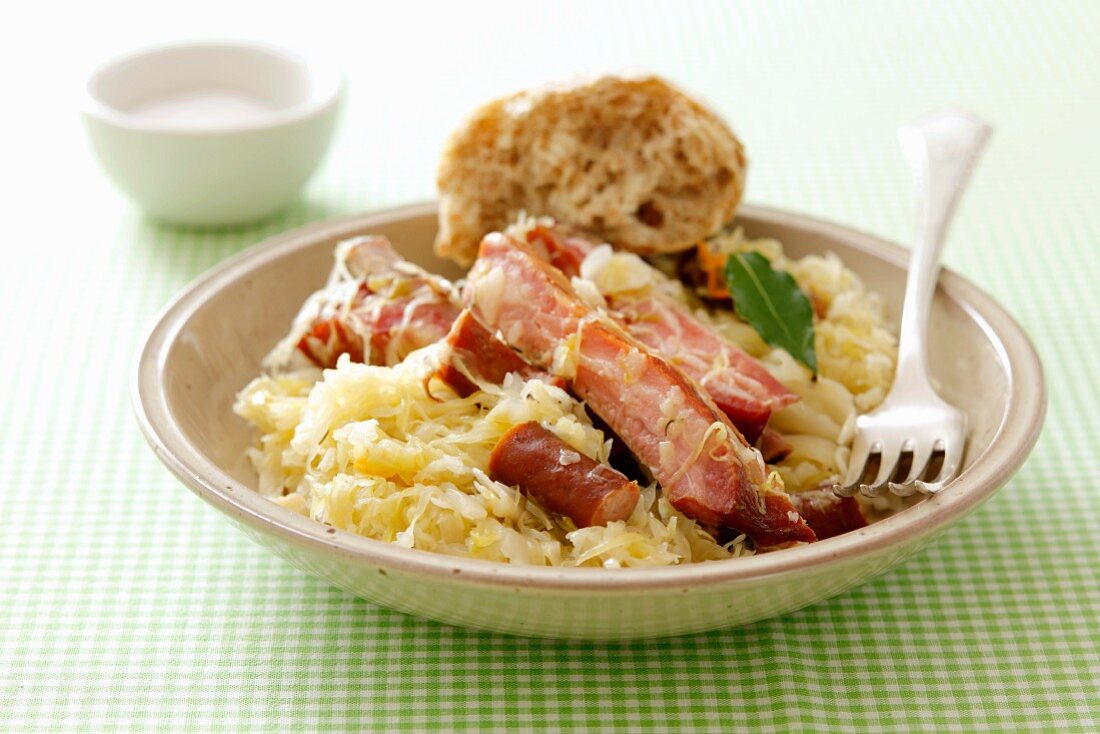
{"points": [[560, 478], [828, 514], [473, 350]]}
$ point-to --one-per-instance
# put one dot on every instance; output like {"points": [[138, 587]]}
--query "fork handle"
{"points": [[942, 149]]}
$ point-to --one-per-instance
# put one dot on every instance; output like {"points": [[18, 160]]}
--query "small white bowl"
{"points": [[211, 133], [208, 343]]}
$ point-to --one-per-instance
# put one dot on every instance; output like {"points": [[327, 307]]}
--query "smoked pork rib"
{"points": [[737, 383], [706, 469], [377, 308]]}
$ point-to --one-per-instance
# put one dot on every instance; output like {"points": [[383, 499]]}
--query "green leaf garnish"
{"points": [[772, 304]]}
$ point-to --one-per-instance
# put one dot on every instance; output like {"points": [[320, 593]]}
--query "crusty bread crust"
{"points": [[634, 161]]}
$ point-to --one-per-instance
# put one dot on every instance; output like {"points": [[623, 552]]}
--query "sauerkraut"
{"points": [[393, 454]]}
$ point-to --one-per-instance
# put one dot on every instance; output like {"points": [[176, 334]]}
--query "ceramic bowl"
{"points": [[208, 343], [211, 133]]}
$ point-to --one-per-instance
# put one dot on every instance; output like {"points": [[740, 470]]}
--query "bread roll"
{"points": [[634, 161]]}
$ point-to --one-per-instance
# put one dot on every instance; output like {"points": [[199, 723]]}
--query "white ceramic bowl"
{"points": [[211, 133], [208, 343]]}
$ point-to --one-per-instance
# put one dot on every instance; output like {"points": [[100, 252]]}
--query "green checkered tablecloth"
{"points": [[128, 604]]}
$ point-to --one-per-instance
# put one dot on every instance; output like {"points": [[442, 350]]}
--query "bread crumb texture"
{"points": [[634, 161]]}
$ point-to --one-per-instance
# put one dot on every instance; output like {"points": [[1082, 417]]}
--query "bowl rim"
{"points": [[326, 80], [1012, 442]]}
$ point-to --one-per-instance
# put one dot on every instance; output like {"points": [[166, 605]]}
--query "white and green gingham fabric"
{"points": [[127, 604]]}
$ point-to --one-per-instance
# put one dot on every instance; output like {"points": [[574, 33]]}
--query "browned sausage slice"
{"points": [[828, 514], [473, 350], [560, 478]]}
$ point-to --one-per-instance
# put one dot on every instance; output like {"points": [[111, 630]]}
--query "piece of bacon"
{"points": [[473, 350], [560, 478], [738, 384], [703, 464], [828, 514], [378, 309]]}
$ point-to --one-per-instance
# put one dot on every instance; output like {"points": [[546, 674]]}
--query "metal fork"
{"points": [[914, 427]]}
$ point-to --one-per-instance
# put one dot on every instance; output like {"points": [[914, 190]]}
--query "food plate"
{"points": [[209, 342]]}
